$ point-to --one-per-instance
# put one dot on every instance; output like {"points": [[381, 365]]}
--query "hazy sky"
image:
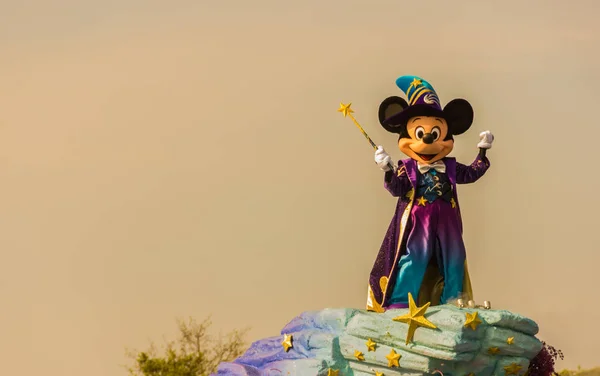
{"points": [[161, 159]]}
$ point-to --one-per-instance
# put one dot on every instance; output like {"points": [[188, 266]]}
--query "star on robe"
{"points": [[345, 109], [333, 372], [416, 82], [512, 369], [371, 345], [378, 373], [287, 342], [393, 359], [493, 350], [452, 202], [414, 318], [359, 355], [510, 340], [472, 320], [422, 201]]}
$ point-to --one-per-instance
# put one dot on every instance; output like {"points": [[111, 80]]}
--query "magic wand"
{"points": [[347, 112]]}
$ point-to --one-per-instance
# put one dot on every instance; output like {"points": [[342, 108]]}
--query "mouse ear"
{"points": [[389, 107], [459, 115]]}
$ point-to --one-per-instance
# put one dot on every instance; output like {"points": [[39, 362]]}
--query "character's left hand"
{"points": [[486, 139]]}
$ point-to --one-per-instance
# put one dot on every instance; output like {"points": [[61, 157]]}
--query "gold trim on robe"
{"points": [[372, 303]]}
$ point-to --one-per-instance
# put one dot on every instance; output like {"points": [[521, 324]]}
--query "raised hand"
{"points": [[383, 160], [486, 139]]}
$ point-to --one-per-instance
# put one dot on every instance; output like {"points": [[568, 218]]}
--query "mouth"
{"points": [[426, 157]]}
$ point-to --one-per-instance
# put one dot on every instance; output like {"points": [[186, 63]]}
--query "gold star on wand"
{"points": [[345, 109], [414, 318], [347, 112]]}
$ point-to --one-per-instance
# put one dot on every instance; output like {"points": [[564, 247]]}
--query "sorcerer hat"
{"points": [[394, 112]]}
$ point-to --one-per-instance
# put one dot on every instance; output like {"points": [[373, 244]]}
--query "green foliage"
{"points": [[193, 353]]}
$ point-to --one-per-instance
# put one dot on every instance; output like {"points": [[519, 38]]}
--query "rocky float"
{"points": [[413, 341]]}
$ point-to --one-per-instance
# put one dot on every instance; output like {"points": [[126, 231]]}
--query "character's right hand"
{"points": [[382, 159]]}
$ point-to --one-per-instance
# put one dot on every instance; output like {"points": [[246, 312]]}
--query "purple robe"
{"points": [[402, 184]]}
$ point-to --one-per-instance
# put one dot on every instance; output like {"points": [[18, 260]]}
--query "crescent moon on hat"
{"points": [[431, 98]]}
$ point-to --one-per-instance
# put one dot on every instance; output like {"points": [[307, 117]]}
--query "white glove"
{"points": [[382, 159], [486, 139]]}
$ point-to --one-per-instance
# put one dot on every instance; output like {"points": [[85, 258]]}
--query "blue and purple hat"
{"points": [[394, 112]]}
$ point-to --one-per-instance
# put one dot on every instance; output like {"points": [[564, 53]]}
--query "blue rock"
{"points": [[328, 320], [330, 338]]}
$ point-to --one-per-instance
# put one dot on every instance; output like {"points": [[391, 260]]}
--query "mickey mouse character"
{"points": [[423, 252]]}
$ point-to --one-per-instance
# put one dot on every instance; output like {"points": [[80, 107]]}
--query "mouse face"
{"points": [[426, 139], [426, 134]]}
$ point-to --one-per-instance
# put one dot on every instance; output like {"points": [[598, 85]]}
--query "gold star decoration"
{"points": [[416, 82], [371, 345], [410, 194], [345, 109], [452, 202], [472, 320], [287, 342], [414, 318], [333, 372], [512, 369], [378, 373], [359, 355], [510, 340], [422, 201], [393, 359], [493, 350]]}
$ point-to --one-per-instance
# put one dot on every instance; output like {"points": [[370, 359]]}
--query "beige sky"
{"points": [[163, 159]]}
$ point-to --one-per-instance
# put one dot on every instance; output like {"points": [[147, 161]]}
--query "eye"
{"points": [[436, 132], [419, 133]]}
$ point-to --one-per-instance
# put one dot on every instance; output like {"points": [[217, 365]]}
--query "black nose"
{"points": [[428, 138]]}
